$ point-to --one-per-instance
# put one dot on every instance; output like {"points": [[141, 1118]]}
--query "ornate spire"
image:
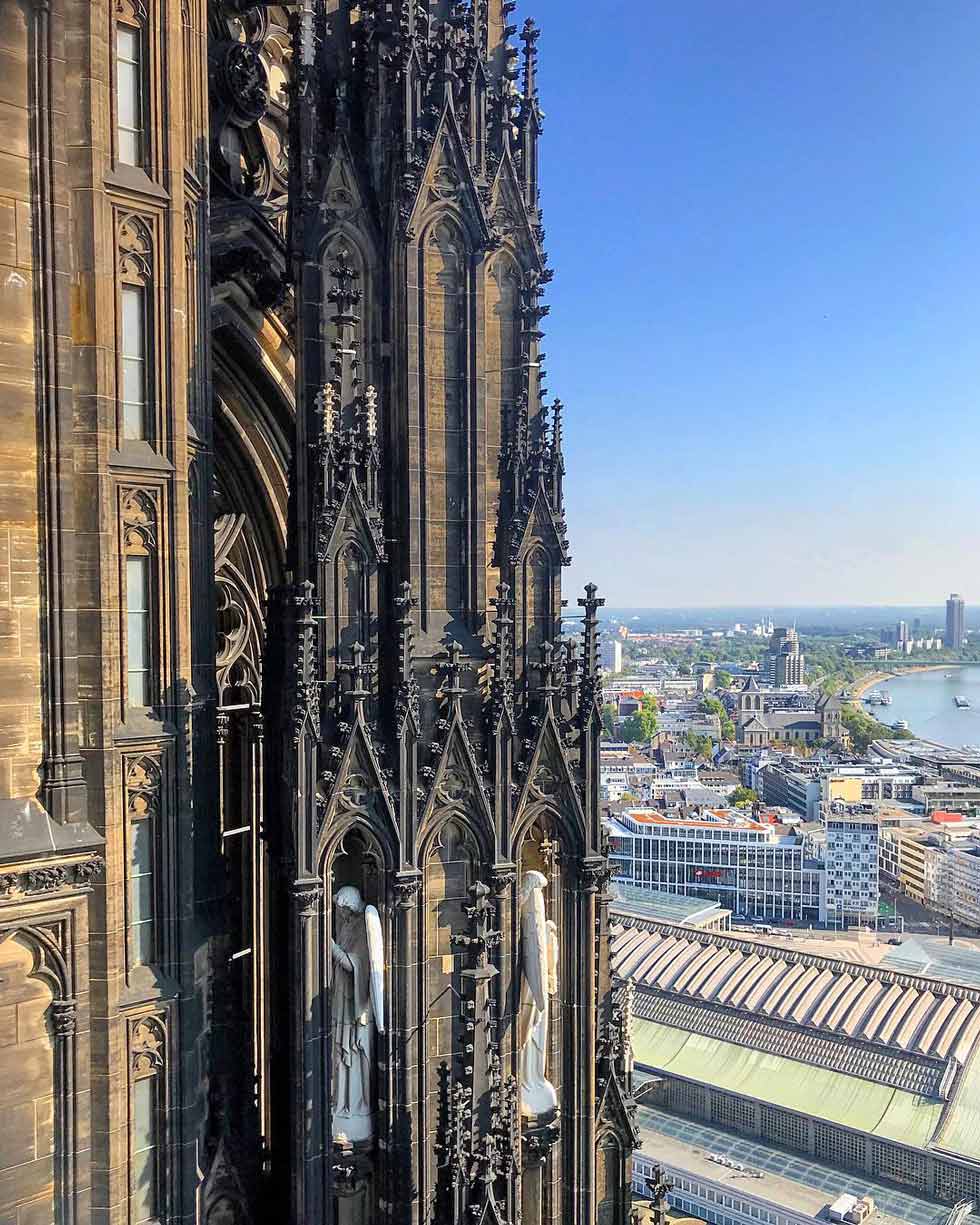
{"points": [[591, 676], [529, 37], [571, 671], [359, 673], [502, 685], [547, 669], [347, 422], [557, 438], [408, 688], [452, 689], [345, 296]]}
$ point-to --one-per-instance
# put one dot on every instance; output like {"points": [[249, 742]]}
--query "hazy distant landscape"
{"points": [[813, 619]]}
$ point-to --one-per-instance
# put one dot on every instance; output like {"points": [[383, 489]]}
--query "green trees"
{"points": [[714, 706], [643, 724], [608, 721], [723, 679], [742, 797], [862, 728], [703, 746], [647, 715]]}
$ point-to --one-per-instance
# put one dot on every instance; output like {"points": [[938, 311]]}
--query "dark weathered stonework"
{"points": [[345, 502]]}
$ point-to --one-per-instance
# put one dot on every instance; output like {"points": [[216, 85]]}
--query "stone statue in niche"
{"points": [[539, 982], [357, 950]]}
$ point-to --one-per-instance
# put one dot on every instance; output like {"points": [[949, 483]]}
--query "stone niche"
{"points": [[27, 1140]]}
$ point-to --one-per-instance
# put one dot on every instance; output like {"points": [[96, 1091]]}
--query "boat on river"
{"points": [[960, 702]]}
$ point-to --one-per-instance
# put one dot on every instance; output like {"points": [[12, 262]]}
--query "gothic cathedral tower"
{"points": [[445, 1045]]}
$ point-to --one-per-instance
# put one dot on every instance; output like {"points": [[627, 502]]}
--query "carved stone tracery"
{"points": [[147, 1046]]}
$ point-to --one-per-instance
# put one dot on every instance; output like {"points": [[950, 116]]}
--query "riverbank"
{"points": [[866, 683]]}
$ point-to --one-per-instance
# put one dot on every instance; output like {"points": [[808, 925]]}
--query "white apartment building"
{"points": [[611, 657], [851, 858], [622, 773], [751, 868], [959, 883]]}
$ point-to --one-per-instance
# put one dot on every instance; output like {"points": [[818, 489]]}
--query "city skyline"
{"points": [[784, 328]]}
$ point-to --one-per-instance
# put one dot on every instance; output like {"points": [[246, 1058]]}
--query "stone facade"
{"points": [[280, 599]]}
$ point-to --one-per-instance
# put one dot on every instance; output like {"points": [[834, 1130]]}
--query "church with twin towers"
{"points": [[303, 881]]}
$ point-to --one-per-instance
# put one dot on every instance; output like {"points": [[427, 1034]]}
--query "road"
{"points": [[922, 921]]}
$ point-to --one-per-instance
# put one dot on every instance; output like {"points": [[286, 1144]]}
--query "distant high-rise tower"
{"points": [[787, 666], [611, 657], [955, 610]]}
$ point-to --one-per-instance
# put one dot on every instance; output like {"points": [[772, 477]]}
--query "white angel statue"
{"points": [[539, 982], [357, 1011]]}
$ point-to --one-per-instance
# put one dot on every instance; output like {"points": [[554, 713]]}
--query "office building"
{"points": [[786, 663], [955, 622], [612, 653], [748, 866]]}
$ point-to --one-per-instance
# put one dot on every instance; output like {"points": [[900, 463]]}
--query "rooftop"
{"points": [[808, 1032], [656, 904], [788, 1181], [714, 817]]}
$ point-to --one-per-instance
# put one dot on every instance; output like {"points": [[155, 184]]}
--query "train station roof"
{"points": [[890, 1054]]}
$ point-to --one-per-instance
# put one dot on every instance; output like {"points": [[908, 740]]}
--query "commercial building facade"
{"points": [[749, 867]]}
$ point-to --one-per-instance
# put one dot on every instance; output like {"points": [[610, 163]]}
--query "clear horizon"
{"points": [[766, 316]]}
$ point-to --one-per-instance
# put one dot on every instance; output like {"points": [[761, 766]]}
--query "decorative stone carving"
{"points": [[135, 248], [407, 889], [89, 869], [143, 786], [595, 874], [246, 82], [63, 1013], [43, 880], [240, 583], [357, 951], [138, 512], [147, 1046], [307, 895]]}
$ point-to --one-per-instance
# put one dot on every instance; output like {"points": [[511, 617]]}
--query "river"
{"points": [[925, 701]]}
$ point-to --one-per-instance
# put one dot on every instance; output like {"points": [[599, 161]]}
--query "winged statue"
{"points": [[358, 1011], [539, 982]]}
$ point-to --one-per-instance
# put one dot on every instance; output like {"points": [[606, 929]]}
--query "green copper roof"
{"points": [[961, 1130], [878, 1110]]}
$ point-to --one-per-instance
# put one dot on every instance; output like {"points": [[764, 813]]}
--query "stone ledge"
{"points": [[28, 832]]}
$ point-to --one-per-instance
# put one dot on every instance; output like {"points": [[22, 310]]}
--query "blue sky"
{"points": [[765, 220]]}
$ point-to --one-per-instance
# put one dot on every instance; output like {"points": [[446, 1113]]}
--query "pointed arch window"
{"points": [[139, 599], [131, 93], [133, 397], [143, 799], [139, 677], [147, 1198], [135, 331]]}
